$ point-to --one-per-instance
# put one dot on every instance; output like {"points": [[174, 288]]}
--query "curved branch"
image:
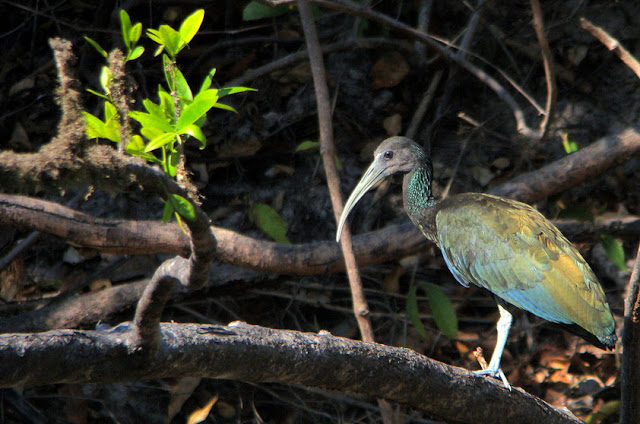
{"points": [[392, 242], [256, 354]]}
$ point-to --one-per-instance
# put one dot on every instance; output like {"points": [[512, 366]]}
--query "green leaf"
{"points": [[570, 146], [191, 25], [153, 108], [171, 40], [125, 27], [96, 128], [105, 79], [166, 101], [135, 53], [168, 211], [233, 90], [610, 408], [206, 83], [179, 220], [413, 313], [135, 33], [443, 312], [307, 144], [96, 46], [225, 107], [110, 111], [183, 207], [201, 104], [151, 133], [269, 221], [95, 93], [338, 164], [254, 11], [161, 140], [196, 132], [614, 251], [182, 87], [159, 50], [136, 147], [151, 121], [156, 36], [168, 66], [171, 164]]}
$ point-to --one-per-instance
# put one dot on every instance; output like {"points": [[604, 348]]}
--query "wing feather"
{"points": [[510, 249]]}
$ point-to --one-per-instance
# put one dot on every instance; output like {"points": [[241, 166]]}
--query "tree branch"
{"points": [[612, 44], [630, 402], [256, 354]]}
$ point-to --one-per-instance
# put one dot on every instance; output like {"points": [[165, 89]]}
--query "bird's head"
{"points": [[393, 155]]}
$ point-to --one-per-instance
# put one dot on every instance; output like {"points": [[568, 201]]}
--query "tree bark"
{"points": [[256, 354]]}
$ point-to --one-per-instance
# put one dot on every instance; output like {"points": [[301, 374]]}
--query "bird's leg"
{"points": [[503, 326]]}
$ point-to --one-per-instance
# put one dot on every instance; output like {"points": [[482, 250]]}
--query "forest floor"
{"points": [[254, 158]]}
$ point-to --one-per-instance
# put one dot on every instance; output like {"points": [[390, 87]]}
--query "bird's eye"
{"points": [[388, 154]]}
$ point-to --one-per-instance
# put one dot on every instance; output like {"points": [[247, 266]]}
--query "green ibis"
{"points": [[502, 245]]}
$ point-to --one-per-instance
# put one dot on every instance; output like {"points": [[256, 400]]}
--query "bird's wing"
{"points": [[513, 251]]}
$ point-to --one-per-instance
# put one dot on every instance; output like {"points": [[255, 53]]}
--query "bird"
{"points": [[502, 245]]}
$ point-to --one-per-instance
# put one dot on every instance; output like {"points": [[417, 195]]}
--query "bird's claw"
{"points": [[497, 373]]}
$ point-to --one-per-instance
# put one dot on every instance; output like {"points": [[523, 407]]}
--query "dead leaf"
{"points": [[501, 163], [389, 70], [393, 124], [181, 390], [239, 148], [391, 282], [201, 414], [482, 175], [23, 84], [19, 138]]}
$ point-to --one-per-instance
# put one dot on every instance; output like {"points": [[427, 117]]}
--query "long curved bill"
{"points": [[371, 177]]}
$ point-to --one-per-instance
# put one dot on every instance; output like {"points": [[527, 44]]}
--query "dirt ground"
{"points": [[252, 158]]}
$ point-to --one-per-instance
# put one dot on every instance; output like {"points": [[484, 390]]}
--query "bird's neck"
{"points": [[418, 199]]}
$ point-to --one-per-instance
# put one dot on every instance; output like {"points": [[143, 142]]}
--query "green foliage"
{"points": [[442, 309], [413, 313], [610, 408], [269, 221], [313, 145], [178, 115], [306, 145], [255, 10], [130, 36], [570, 146], [614, 251], [172, 41]]}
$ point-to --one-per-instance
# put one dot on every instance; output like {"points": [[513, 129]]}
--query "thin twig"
{"points": [[327, 151], [23, 245], [629, 370], [549, 73], [461, 53], [357, 43], [492, 83], [424, 16], [421, 110], [612, 44]]}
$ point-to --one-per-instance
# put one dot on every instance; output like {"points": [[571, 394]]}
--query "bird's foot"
{"points": [[497, 373]]}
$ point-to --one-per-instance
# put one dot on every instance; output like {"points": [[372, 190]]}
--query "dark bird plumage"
{"points": [[502, 245]]}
